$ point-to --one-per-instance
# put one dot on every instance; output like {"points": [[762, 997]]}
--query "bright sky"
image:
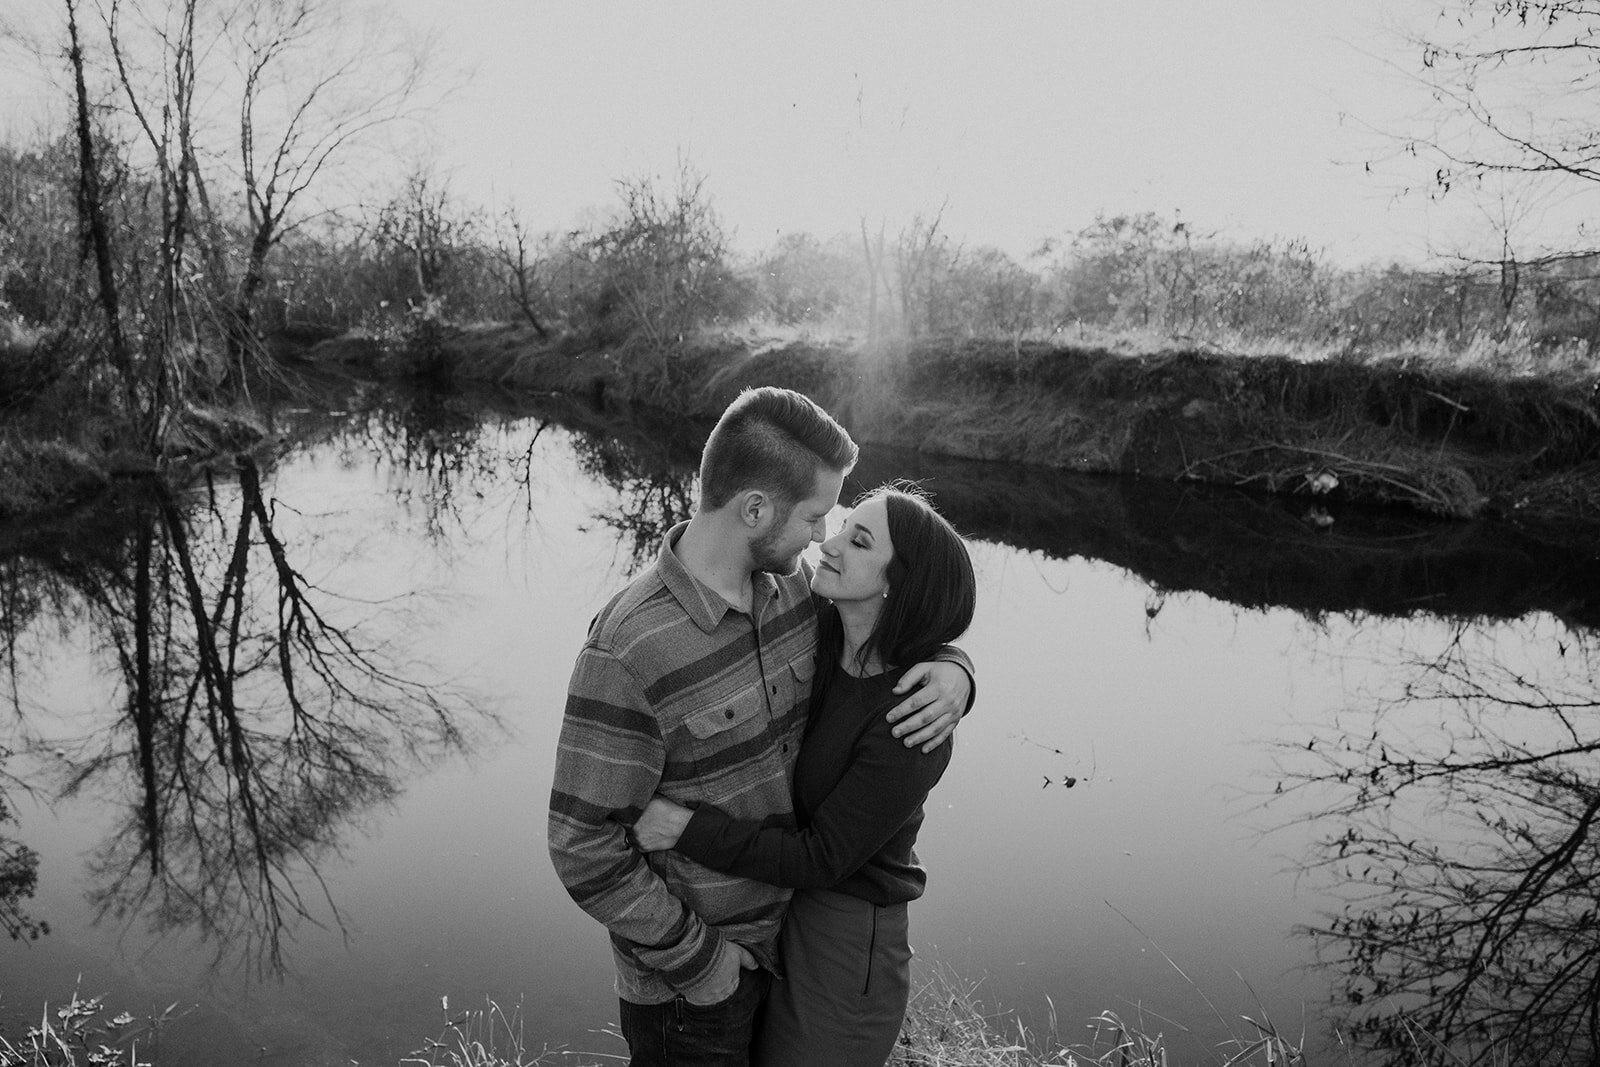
{"points": [[1027, 118], [1252, 117]]}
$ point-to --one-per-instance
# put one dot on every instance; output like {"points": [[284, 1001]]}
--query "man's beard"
{"points": [[766, 558]]}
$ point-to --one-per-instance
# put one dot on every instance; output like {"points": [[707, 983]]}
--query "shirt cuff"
{"points": [[698, 840]]}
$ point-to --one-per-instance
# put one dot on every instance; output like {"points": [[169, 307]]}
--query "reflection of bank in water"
{"points": [[1244, 548], [249, 728], [1258, 551]]}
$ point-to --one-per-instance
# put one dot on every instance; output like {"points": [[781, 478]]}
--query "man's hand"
{"points": [[724, 980], [938, 699], [660, 825]]}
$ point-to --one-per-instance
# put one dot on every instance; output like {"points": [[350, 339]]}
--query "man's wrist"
{"points": [[714, 968], [713, 985]]}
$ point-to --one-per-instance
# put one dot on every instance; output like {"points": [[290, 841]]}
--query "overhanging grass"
{"points": [[1458, 438]]}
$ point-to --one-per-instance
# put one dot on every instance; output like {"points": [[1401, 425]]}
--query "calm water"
{"points": [[1193, 711]]}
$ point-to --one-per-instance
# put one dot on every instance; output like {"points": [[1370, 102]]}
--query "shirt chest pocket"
{"points": [[728, 721], [794, 689]]}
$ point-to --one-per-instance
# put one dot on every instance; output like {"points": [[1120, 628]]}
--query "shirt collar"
{"points": [[699, 601]]}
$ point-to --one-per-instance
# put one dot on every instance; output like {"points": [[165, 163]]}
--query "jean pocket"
{"points": [[706, 1033]]}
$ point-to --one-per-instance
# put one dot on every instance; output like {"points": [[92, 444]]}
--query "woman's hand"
{"points": [[662, 823]]}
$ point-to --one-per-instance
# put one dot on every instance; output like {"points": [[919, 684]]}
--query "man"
{"points": [[694, 683]]}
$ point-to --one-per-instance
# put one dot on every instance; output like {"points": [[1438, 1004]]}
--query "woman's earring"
{"points": [[886, 594]]}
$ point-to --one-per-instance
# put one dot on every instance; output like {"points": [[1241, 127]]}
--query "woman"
{"points": [[900, 585]]}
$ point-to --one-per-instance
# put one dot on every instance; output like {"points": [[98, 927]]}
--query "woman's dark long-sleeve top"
{"points": [[858, 794]]}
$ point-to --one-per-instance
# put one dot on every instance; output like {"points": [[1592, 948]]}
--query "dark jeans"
{"points": [[680, 1034]]}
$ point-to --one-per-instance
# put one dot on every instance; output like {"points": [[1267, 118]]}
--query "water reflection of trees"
{"points": [[255, 727], [34, 588], [655, 491], [1462, 840], [445, 455], [19, 875], [451, 456]]}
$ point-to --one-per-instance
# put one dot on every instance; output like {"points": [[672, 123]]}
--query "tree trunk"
{"points": [[96, 231], [241, 337]]}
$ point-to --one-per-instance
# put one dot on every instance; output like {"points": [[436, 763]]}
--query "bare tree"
{"points": [[1512, 79], [802, 281], [430, 230], [1511, 119], [96, 227], [872, 250], [661, 262], [313, 83], [991, 294], [520, 268], [225, 124], [921, 255]]}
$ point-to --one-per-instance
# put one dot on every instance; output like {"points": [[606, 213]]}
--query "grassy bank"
{"points": [[947, 1025], [1454, 437], [1446, 439]]}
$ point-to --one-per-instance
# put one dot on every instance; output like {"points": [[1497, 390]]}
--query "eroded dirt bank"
{"points": [[1446, 442]]}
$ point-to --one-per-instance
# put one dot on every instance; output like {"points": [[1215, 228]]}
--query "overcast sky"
{"points": [[1253, 118]]}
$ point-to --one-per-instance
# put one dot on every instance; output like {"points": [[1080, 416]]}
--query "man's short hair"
{"points": [[772, 439]]}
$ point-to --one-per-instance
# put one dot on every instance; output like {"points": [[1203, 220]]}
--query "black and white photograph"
{"points": [[881, 534]]}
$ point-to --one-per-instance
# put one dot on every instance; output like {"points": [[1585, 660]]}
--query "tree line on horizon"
{"points": [[659, 266]]}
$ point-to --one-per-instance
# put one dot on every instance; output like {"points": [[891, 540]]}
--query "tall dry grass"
{"points": [[494, 1037], [947, 1025], [84, 1032]]}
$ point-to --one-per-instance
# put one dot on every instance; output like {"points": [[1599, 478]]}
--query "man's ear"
{"points": [[755, 508]]}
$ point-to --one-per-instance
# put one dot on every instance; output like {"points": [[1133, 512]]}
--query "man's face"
{"points": [[777, 549]]}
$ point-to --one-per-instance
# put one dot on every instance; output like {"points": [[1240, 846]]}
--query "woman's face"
{"points": [[855, 561]]}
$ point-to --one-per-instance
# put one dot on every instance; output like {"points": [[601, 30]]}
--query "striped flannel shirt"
{"points": [[677, 692]]}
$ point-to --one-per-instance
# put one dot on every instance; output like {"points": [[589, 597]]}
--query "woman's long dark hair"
{"points": [[932, 589]]}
